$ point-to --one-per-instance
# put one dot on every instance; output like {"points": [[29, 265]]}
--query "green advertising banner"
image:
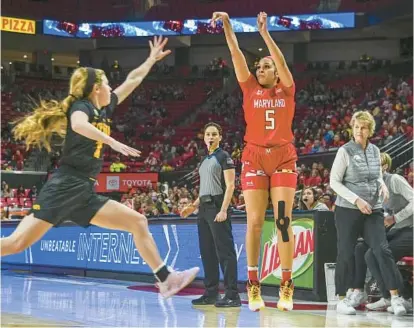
{"points": [[270, 268]]}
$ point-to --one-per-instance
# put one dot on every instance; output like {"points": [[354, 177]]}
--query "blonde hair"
{"points": [[48, 118], [364, 116], [386, 159]]}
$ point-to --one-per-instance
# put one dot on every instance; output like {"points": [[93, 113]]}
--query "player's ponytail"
{"points": [[49, 117]]}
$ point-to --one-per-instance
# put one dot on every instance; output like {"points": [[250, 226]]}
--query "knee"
{"points": [[345, 254], [369, 256], [255, 223], [138, 225], [382, 250]]}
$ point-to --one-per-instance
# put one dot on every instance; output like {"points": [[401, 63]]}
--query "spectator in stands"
{"points": [[386, 139], [317, 147], [325, 177], [337, 142], [117, 166], [128, 201], [148, 208], [358, 211], [7, 167], [169, 132], [21, 192], [399, 224], [161, 206], [309, 200], [151, 160], [6, 192], [18, 160], [315, 179], [33, 192], [328, 200], [166, 167], [182, 203]]}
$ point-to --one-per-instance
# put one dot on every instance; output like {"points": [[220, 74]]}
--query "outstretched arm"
{"points": [[135, 77], [80, 124], [281, 66], [239, 61]]}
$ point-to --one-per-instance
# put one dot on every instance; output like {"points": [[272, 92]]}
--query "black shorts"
{"points": [[68, 197]]}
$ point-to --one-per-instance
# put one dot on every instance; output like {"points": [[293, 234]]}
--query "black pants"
{"points": [[217, 247], [351, 224], [400, 242]]}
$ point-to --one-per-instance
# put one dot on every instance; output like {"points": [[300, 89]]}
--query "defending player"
{"points": [[84, 117], [269, 157]]}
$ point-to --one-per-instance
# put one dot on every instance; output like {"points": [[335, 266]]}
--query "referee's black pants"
{"points": [[351, 224], [217, 247], [400, 242]]}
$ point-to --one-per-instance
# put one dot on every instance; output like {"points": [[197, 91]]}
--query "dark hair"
{"points": [[302, 205], [217, 126], [331, 197]]}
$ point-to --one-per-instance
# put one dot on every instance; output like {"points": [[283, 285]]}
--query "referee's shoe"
{"points": [[206, 300], [229, 302]]}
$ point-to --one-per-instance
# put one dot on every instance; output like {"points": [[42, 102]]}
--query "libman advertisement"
{"points": [[270, 266]]}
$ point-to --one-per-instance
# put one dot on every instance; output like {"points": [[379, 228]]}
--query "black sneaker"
{"points": [[228, 302], [205, 300]]}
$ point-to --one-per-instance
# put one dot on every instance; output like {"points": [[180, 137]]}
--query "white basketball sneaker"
{"points": [[397, 306], [344, 307], [176, 281], [357, 298]]}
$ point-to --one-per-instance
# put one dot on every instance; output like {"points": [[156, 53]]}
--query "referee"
{"points": [[217, 177]]}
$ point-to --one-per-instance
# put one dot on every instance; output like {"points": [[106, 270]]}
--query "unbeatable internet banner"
{"points": [[95, 248], [196, 26]]}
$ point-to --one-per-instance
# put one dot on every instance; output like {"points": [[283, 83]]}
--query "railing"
{"points": [[401, 150], [395, 144], [403, 155]]}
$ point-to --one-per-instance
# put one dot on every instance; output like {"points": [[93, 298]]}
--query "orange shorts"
{"points": [[265, 168]]}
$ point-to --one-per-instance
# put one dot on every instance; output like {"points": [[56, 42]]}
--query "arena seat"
{"points": [[406, 261]]}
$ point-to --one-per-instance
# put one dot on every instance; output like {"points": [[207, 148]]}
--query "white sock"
{"points": [[159, 268]]}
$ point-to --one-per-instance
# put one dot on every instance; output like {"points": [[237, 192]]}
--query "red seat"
{"points": [[11, 201], [27, 203], [406, 261]]}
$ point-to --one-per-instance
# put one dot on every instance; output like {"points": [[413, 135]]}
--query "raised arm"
{"points": [[239, 61], [135, 77], [281, 66]]}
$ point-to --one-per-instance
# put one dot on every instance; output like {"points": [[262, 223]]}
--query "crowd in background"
{"points": [[322, 123]]}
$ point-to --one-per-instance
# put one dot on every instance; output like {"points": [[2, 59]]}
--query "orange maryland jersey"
{"points": [[268, 113]]}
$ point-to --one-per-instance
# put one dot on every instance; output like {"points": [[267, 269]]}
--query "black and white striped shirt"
{"points": [[211, 172]]}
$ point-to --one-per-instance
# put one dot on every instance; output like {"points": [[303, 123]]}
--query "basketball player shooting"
{"points": [[269, 157]]}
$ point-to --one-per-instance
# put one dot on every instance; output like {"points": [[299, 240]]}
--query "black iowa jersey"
{"points": [[81, 153]]}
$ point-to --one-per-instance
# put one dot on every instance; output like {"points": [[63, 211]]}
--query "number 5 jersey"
{"points": [[268, 113]]}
